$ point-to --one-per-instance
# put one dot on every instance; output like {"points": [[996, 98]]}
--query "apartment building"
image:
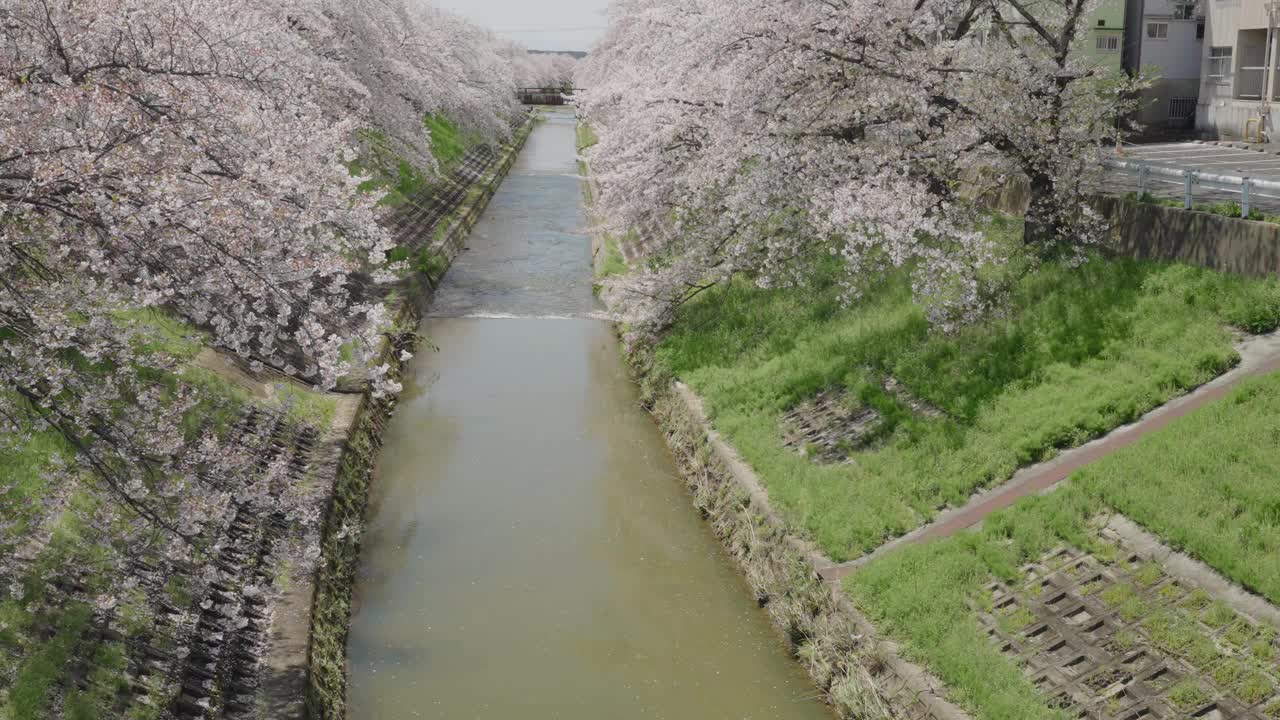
{"points": [[1238, 69], [1167, 44], [1106, 35]]}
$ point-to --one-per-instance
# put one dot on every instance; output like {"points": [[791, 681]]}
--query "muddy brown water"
{"points": [[531, 552]]}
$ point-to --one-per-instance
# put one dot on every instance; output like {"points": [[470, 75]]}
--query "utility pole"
{"points": [[1130, 55], [1131, 43], [1268, 75]]}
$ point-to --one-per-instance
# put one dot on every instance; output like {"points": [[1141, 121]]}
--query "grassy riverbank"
{"points": [[1206, 485], [609, 260], [1081, 351], [398, 179], [60, 655]]}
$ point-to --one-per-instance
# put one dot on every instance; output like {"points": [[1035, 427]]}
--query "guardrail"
{"points": [[1152, 178]]}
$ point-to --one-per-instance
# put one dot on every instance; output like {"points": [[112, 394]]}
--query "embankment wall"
{"points": [[1154, 232]]}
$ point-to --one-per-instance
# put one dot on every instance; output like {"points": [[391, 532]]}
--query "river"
{"points": [[530, 551]]}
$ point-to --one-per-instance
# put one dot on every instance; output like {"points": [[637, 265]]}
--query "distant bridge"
{"points": [[544, 96]]}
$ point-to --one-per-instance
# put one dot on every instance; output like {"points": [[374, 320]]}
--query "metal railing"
{"points": [[1146, 178]]}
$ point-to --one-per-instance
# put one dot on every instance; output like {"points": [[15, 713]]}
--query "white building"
{"points": [[1238, 82], [1170, 47]]}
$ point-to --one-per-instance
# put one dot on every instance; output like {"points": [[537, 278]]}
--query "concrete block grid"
{"points": [[832, 425], [1119, 639], [417, 218], [828, 427]]}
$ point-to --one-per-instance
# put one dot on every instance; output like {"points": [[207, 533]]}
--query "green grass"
{"points": [[448, 143], [159, 331], [106, 682], [25, 464], [220, 405], [313, 408], [1081, 351], [389, 174], [41, 644], [1188, 695], [1226, 209], [397, 178], [611, 260], [30, 694], [1205, 484], [586, 136]]}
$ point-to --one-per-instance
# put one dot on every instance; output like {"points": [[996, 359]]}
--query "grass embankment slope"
{"points": [[43, 636], [610, 261], [396, 177], [1081, 351], [51, 663], [400, 181], [1206, 485]]}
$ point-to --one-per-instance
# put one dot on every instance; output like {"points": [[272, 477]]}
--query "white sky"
{"points": [[538, 24]]}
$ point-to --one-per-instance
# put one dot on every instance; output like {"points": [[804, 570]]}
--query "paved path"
{"points": [[1259, 356]]}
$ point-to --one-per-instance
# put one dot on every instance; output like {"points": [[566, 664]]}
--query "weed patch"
{"points": [[1227, 208], [30, 695], [586, 136], [1080, 352], [611, 261]]}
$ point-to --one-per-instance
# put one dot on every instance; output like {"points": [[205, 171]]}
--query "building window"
{"points": [[1184, 10], [1219, 61], [1199, 31], [1108, 43], [1157, 31], [1181, 108]]}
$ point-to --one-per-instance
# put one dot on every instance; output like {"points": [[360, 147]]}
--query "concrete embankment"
{"points": [[306, 675], [1149, 231]]}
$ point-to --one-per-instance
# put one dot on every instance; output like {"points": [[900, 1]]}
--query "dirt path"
{"points": [[1259, 355]]}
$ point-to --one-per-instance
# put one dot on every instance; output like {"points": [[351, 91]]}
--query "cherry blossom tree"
{"points": [[191, 160], [542, 70], [756, 136], [165, 156], [482, 77], [392, 63]]}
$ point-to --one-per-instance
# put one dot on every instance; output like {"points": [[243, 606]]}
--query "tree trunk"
{"points": [[1043, 225]]}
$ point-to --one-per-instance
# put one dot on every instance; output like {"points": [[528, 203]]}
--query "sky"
{"points": [[538, 24]]}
